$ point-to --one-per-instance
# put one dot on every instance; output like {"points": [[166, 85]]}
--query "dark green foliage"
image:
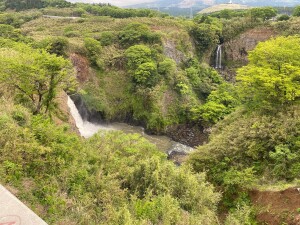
{"points": [[206, 32], [19, 5], [107, 38], [56, 45], [296, 11], [229, 14], [283, 17], [115, 12], [203, 80]]}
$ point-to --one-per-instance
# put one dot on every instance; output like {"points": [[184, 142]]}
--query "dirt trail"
{"points": [[277, 207]]}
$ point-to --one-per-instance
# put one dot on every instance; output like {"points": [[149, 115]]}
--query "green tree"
{"points": [[296, 11], [273, 74], [264, 13], [35, 74], [206, 32]]}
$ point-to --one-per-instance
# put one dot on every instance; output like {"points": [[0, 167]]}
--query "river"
{"points": [[88, 129]]}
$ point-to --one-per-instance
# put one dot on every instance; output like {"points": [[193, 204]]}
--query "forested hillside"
{"points": [[227, 82]]}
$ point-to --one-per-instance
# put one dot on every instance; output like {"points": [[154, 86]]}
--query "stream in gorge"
{"points": [[163, 143]]}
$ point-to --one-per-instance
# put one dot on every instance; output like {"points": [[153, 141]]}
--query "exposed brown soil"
{"points": [[81, 65], [277, 207]]}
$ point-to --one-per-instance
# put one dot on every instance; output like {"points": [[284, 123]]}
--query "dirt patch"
{"points": [[81, 65], [277, 207]]}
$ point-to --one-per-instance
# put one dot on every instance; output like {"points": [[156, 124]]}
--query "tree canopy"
{"points": [[35, 74], [273, 75]]}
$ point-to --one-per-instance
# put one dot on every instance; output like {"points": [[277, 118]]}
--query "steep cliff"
{"points": [[236, 50]]}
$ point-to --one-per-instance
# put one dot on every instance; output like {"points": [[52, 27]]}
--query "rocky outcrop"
{"points": [[188, 134], [236, 51], [171, 52]]}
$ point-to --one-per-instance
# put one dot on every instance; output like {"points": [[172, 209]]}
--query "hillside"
{"points": [[221, 7]]}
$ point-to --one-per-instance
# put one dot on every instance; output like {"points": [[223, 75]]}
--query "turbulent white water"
{"points": [[88, 129], [219, 57]]}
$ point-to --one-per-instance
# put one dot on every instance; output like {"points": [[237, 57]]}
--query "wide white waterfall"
{"points": [[219, 57], [86, 128]]}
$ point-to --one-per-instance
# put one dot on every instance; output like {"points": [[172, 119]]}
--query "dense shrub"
{"points": [[94, 49], [56, 45], [135, 33]]}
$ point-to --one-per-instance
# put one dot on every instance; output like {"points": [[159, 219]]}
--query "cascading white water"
{"points": [[219, 57], [88, 129]]}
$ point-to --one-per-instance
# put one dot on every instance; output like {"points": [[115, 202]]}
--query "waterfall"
{"points": [[86, 128], [219, 57], [164, 143]]}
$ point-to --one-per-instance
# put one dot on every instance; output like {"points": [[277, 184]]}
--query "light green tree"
{"points": [[35, 74], [272, 77]]}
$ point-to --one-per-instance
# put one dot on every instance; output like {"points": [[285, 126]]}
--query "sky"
{"points": [[114, 2]]}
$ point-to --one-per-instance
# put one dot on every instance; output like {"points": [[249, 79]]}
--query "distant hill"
{"points": [[186, 7], [216, 8]]}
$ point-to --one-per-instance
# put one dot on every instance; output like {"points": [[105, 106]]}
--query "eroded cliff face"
{"points": [[236, 50]]}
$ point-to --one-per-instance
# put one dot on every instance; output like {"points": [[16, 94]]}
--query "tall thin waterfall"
{"points": [[219, 57]]}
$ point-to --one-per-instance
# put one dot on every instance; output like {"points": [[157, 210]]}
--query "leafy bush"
{"points": [[107, 38], [94, 49], [283, 17], [56, 45], [219, 103], [135, 33], [7, 31]]}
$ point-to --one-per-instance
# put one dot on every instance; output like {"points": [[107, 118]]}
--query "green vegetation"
{"points": [[296, 11], [145, 67], [259, 142], [35, 75], [122, 179], [272, 76]]}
